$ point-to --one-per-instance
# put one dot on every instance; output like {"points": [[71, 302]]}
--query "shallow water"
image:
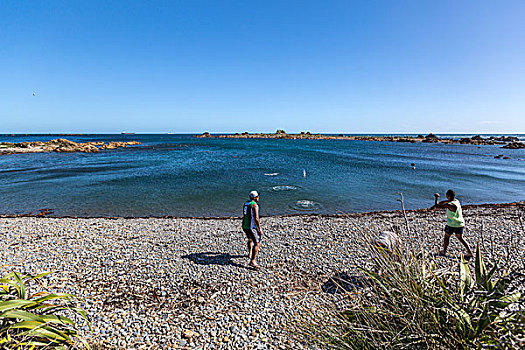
{"points": [[184, 176]]}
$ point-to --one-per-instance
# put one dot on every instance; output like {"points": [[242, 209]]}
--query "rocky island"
{"points": [[61, 145], [508, 141]]}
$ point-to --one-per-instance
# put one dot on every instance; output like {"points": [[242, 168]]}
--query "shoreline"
{"points": [[162, 283], [339, 215]]}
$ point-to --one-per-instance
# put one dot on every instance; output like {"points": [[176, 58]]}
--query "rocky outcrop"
{"points": [[281, 134], [117, 144], [514, 145], [504, 138], [61, 145]]}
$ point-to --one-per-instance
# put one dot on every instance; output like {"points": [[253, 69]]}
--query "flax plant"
{"points": [[39, 320], [406, 300]]}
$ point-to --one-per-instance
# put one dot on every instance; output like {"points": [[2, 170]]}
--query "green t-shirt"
{"points": [[455, 219]]}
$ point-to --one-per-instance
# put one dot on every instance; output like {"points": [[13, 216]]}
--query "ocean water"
{"points": [[180, 175]]}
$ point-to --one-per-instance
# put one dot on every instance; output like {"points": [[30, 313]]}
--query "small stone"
{"points": [[188, 334]]}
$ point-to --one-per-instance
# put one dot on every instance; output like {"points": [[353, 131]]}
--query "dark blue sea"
{"points": [[180, 175]]}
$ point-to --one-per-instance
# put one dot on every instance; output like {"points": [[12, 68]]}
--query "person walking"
{"points": [[252, 227], [455, 222]]}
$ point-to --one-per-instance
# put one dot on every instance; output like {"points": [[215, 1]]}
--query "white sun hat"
{"points": [[254, 194]]}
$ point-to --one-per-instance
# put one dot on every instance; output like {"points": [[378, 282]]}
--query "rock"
{"points": [[61, 145], [431, 136], [188, 334], [514, 145], [506, 157], [477, 138], [117, 144], [504, 138]]}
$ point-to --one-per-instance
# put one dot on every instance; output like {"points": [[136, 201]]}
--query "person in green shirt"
{"points": [[455, 221], [252, 227]]}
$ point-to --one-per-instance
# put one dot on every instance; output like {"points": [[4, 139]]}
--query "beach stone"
{"points": [[188, 334]]}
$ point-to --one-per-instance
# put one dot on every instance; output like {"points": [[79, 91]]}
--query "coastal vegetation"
{"points": [[408, 300], [35, 320]]}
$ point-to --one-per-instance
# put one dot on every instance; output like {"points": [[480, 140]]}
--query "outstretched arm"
{"points": [[443, 204]]}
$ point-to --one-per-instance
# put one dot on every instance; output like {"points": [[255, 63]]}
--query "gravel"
{"points": [[184, 283]]}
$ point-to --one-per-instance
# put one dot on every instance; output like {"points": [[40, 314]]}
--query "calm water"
{"points": [[183, 176]]}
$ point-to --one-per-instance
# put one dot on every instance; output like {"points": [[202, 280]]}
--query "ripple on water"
{"points": [[284, 188], [271, 174], [306, 205]]}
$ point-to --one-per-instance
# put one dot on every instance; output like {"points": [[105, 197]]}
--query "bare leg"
{"points": [[250, 249], [445, 244], [255, 250], [469, 252]]}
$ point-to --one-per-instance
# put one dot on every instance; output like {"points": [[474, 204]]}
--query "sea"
{"points": [[183, 176]]}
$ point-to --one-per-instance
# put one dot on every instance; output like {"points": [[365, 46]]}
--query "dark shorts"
{"points": [[453, 230], [253, 234]]}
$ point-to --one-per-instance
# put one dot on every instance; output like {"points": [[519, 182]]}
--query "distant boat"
{"points": [[127, 133]]}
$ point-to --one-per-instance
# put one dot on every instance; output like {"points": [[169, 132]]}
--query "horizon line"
{"points": [[255, 132]]}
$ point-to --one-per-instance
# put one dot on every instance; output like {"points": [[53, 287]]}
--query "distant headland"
{"points": [[507, 141]]}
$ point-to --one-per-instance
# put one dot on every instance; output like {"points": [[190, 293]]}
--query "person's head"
{"points": [[451, 195], [254, 196]]}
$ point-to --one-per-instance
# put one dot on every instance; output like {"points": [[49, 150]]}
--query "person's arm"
{"points": [[443, 204], [256, 217]]}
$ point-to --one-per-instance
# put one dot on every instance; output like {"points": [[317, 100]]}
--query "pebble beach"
{"points": [[176, 283]]}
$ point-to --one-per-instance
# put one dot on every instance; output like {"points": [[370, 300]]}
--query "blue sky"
{"points": [[233, 66]]}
